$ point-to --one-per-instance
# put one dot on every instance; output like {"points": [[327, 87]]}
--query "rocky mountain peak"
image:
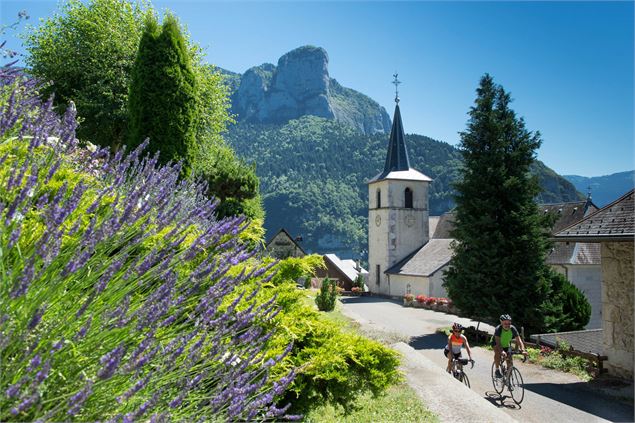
{"points": [[300, 85]]}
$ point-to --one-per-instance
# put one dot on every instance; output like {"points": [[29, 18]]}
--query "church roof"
{"points": [[425, 261], [397, 164], [614, 222]]}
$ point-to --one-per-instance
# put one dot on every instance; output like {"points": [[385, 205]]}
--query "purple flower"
{"points": [[110, 362], [77, 401], [37, 316]]}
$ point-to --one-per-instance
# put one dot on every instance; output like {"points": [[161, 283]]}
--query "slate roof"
{"points": [[425, 261], [568, 213], [437, 252], [614, 222], [571, 252], [397, 164]]}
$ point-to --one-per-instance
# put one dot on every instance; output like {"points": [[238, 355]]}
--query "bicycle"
{"points": [[512, 379], [457, 370]]}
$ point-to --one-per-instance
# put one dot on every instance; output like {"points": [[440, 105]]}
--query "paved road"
{"points": [[549, 395]]}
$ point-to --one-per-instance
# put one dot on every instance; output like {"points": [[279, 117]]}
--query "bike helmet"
{"points": [[505, 317], [457, 326]]}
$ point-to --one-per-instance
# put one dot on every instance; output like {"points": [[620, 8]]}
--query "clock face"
{"points": [[377, 220], [409, 220]]}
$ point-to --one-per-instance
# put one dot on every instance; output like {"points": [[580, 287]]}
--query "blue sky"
{"points": [[568, 65]]}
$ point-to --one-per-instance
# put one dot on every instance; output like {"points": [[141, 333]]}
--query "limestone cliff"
{"points": [[300, 85]]}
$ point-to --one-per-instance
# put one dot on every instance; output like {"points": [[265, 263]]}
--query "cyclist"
{"points": [[456, 340], [502, 343]]}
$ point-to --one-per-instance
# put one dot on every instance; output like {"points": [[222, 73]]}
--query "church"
{"points": [[398, 217]]}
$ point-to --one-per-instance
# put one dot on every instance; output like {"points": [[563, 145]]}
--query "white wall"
{"points": [[436, 284], [394, 231], [419, 285]]}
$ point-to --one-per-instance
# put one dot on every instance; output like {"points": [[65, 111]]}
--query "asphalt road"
{"points": [[550, 396]]}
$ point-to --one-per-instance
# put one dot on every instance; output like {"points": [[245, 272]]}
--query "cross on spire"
{"points": [[396, 81]]}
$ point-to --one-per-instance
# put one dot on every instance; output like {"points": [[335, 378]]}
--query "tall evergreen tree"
{"points": [[162, 101], [501, 238]]}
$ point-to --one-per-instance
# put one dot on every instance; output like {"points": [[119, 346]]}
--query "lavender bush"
{"points": [[118, 293]]}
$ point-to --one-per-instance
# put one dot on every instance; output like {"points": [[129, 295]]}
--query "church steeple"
{"points": [[397, 158], [397, 164]]}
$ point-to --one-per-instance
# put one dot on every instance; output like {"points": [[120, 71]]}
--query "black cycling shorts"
{"points": [[446, 351]]}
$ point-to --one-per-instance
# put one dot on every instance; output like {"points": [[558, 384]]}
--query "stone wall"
{"points": [[617, 305]]}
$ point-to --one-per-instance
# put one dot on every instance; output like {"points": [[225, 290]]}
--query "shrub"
{"points": [[409, 297], [327, 296], [421, 299], [334, 366], [567, 309], [359, 282], [430, 300], [116, 284], [356, 289]]}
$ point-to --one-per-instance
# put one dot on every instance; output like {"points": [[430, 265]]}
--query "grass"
{"points": [[554, 360], [399, 404]]}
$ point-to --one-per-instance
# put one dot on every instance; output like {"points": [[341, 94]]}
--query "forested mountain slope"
{"points": [[313, 171]]}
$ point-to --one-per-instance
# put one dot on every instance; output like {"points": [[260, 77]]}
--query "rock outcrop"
{"points": [[300, 85]]}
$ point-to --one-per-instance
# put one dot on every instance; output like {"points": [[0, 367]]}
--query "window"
{"points": [[378, 198], [408, 198], [377, 270]]}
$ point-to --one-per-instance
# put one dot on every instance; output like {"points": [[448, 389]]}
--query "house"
{"points": [[282, 245], [344, 272], [579, 262], [613, 228]]}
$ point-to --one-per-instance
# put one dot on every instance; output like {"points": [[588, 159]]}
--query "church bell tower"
{"points": [[397, 208]]}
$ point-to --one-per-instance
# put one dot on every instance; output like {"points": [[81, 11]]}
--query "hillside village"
{"points": [[179, 242], [409, 251]]}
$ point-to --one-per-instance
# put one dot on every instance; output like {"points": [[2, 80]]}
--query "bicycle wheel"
{"points": [[465, 379], [516, 386], [499, 383]]}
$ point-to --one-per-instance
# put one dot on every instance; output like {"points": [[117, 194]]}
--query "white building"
{"points": [[397, 213]]}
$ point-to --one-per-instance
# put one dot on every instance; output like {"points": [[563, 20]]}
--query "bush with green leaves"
{"points": [[334, 366], [120, 289], [327, 296], [567, 308]]}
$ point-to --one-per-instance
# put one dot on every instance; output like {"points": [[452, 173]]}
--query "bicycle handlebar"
{"points": [[518, 353], [464, 361]]}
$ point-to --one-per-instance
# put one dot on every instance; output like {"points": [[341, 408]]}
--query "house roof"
{"points": [[568, 213], [354, 264], [614, 222], [574, 253], [347, 267], [284, 231], [397, 164], [425, 261]]}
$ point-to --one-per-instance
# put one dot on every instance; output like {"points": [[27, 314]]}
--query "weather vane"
{"points": [[396, 81]]}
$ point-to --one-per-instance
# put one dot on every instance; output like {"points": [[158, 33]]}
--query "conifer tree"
{"points": [[162, 102], [501, 238]]}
